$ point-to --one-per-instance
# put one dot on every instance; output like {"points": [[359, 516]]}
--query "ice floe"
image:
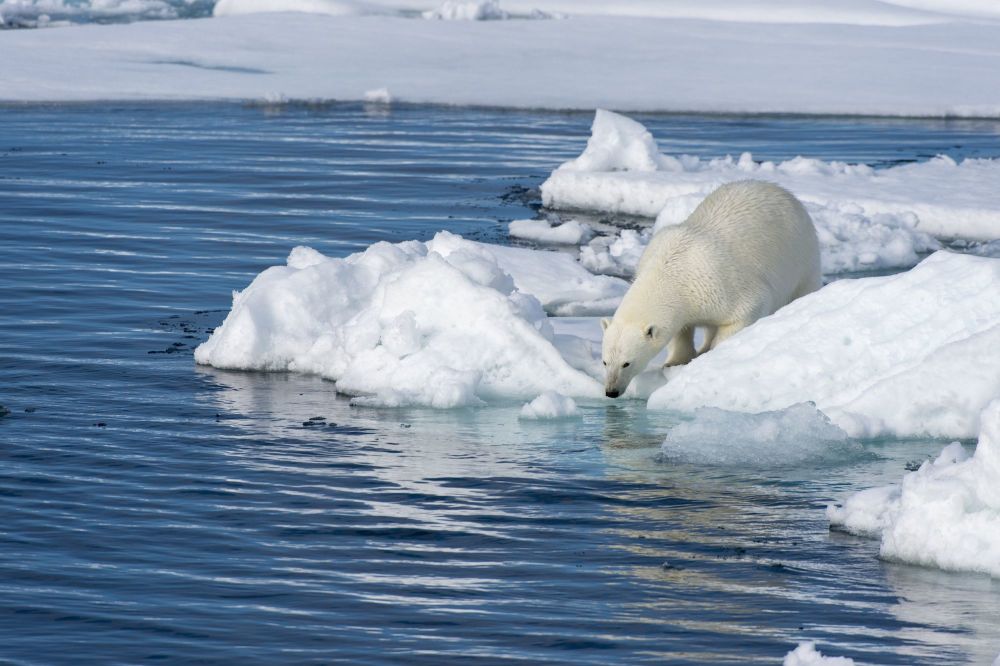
{"points": [[866, 218], [912, 354], [713, 56], [946, 514], [439, 324]]}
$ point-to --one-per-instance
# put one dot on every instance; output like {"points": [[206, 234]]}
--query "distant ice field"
{"points": [[862, 57]]}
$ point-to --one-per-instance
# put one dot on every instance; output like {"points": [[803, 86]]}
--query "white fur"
{"points": [[747, 250]]}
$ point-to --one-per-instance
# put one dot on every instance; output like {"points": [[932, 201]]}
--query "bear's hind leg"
{"points": [[681, 347], [706, 344]]}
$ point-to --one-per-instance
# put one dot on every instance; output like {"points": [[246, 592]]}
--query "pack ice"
{"points": [[865, 218]]}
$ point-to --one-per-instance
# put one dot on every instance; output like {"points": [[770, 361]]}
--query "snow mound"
{"points": [[465, 10], [806, 654], [540, 231], [912, 354], [549, 405], [946, 514], [439, 324], [622, 171], [790, 436]]}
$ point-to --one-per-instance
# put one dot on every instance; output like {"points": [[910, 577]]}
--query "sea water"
{"points": [[156, 510]]}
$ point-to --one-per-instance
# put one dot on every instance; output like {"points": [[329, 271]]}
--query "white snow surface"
{"points": [[912, 354], [866, 218], [806, 654], [571, 232], [439, 324], [945, 514], [847, 57], [549, 405], [791, 436]]}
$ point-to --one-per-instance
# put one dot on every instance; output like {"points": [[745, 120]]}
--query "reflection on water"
{"points": [[154, 510]]}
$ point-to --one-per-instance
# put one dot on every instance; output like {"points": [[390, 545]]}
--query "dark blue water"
{"points": [[151, 510]]}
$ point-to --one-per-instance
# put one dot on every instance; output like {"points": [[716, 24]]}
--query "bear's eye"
{"points": [[605, 363], [625, 365]]}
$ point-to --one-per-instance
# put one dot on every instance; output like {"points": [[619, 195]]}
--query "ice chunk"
{"points": [[806, 654], [378, 96], [540, 231], [618, 143], [911, 354], [785, 437], [396, 325], [467, 10], [549, 405], [946, 514], [622, 171]]}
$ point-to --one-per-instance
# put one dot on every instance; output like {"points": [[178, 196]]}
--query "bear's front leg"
{"points": [[681, 348]]}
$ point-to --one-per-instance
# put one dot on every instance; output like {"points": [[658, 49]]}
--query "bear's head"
{"points": [[627, 348]]}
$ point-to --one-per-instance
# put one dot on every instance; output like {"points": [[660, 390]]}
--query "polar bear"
{"points": [[748, 249]]}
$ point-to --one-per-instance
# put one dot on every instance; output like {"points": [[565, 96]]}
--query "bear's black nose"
{"points": [[612, 394]]}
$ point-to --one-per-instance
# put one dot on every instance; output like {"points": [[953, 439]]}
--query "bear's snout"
{"points": [[612, 393]]}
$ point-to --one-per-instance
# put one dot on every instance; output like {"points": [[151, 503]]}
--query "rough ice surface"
{"points": [[789, 436], [549, 405], [466, 10], [863, 57], [616, 255], [946, 514], [912, 354], [563, 286], [439, 324], [806, 654], [865, 218], [571, 232]]}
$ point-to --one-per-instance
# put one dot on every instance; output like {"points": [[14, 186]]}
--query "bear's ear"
{"points": [[650, 331], [605, 323]]}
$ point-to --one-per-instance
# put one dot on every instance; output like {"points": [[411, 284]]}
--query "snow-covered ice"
{"points": [[548, 406], [563, 286], [571, 232], [945, 514], [467, 10], [823, 56], [791, 436], [806, 654], [865, 218], [912, 354], [439, 324]]}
